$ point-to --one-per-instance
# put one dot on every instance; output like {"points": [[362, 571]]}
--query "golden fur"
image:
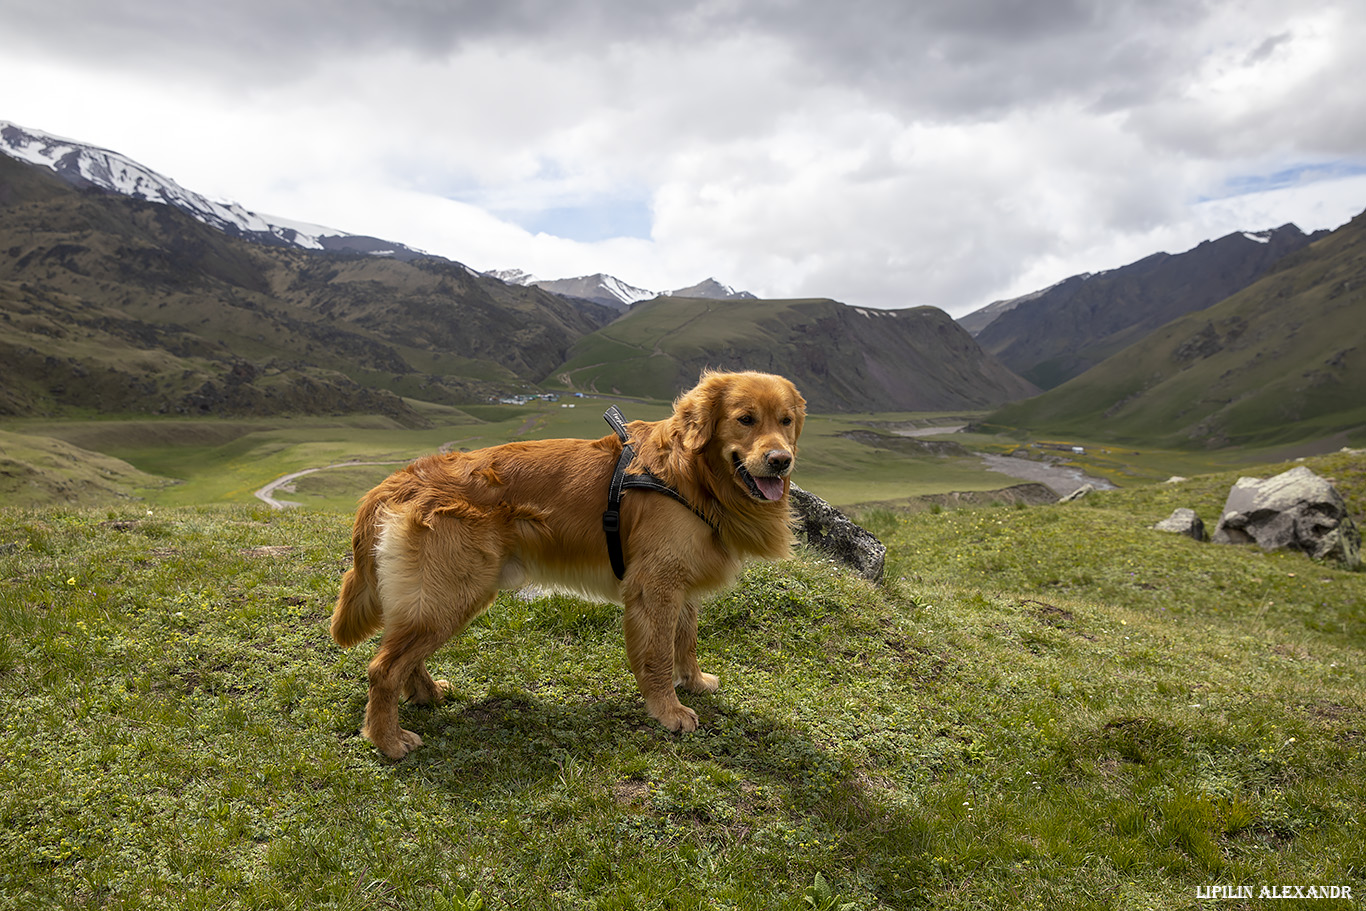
{"points": [[435, 542]]}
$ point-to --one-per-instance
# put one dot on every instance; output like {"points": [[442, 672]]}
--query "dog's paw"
{"points": [[440, 689], [701, 683], [427, 691], [400, 746], [678, 718]]}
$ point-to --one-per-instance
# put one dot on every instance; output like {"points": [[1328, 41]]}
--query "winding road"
{"points": [[267, 494]]}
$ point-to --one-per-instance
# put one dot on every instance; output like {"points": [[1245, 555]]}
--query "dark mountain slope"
{"points": [[1060, 332], [1282, 360]]}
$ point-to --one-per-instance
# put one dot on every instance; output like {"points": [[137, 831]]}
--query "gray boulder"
{"points": [[1297, 510], [1183, 522], [831, 532]]}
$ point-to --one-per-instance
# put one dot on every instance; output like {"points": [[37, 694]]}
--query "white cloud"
{"points": [[884, 153]]}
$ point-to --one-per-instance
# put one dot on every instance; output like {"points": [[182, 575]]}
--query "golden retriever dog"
{"points": [[436, 541]]}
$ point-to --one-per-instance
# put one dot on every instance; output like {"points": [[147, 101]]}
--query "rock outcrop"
{"points": [[1183, 522], [825, 528], [1297, 510]]}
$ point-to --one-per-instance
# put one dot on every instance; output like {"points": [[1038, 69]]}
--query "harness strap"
{"points": [[621, 481]]}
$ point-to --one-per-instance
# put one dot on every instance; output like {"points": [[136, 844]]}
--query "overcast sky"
{"points": [[886, 153]]}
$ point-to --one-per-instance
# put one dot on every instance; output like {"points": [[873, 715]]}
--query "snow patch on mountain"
{"points": [[712, 290], [84, 165], [513, 276], [612, 291]]}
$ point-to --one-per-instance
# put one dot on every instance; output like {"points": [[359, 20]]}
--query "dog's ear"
{"points": [[695, 416], [695, 423], [800, 409]]}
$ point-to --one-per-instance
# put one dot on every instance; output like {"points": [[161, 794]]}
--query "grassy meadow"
{"points": [[190, 462], [1044, 706]]}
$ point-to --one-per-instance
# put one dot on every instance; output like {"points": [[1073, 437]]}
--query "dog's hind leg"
{"points": [[400, 653], [432, 587], [686, 672], [399, 668]]}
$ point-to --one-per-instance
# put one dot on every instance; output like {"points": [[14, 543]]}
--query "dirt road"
{"points": [[267, 494]]}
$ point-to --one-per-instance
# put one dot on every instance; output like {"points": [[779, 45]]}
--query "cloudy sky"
{"points": [[887, 153]]}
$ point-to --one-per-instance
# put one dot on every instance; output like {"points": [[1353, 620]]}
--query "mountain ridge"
{"points": [[109, 303], [1283, 359], [83, 165], [1061, 331]]}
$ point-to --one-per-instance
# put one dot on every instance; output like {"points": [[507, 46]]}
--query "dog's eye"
{"points": [[787, 420], [746, 419]]}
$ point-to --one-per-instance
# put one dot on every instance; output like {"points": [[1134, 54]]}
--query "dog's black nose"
{"points": [[779, 461]]}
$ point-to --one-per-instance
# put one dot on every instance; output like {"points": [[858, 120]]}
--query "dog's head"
{"points": [[745, 426]]}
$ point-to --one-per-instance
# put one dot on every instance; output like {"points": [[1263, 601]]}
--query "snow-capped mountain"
{"points": [[612, 291], [711, 289], [513, 276], [599, 288], [83, 165]]}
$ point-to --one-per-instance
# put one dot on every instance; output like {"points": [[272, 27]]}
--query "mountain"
{"points": [[1055, 334], [711, 289], [513, 276], [84, 166], [978, 320], [842, 358], [1282, 360], [112, 303], [613, 292], [599, 288]]}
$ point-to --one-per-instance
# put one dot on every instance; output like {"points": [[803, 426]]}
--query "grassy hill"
{"points": [[1042, 707], [842, 358], [111, 304], [41, 470], [1283, 360]]}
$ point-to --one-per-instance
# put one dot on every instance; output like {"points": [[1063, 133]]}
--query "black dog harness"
{"points": [[621, 481]]}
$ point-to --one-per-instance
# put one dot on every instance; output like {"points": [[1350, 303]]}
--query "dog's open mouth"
{"points": [[761, 488]]}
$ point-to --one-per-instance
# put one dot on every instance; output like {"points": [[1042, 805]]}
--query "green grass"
{"points": [[187, 462], [1040, 707]]}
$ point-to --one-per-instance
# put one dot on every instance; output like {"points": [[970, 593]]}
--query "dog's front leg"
{"points": [[649, 623], [686, 672]]}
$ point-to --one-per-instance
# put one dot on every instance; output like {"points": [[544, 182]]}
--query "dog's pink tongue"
{"points": [[771, 488]]}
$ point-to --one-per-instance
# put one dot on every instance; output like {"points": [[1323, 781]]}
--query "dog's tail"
{"points": [[358, 612]]}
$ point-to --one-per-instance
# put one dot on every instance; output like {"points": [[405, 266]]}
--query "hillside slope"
{"points": [[1053, 335], [1041, 707], [842, 358], [115, 304], [1282, 360], [41, 471]]}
